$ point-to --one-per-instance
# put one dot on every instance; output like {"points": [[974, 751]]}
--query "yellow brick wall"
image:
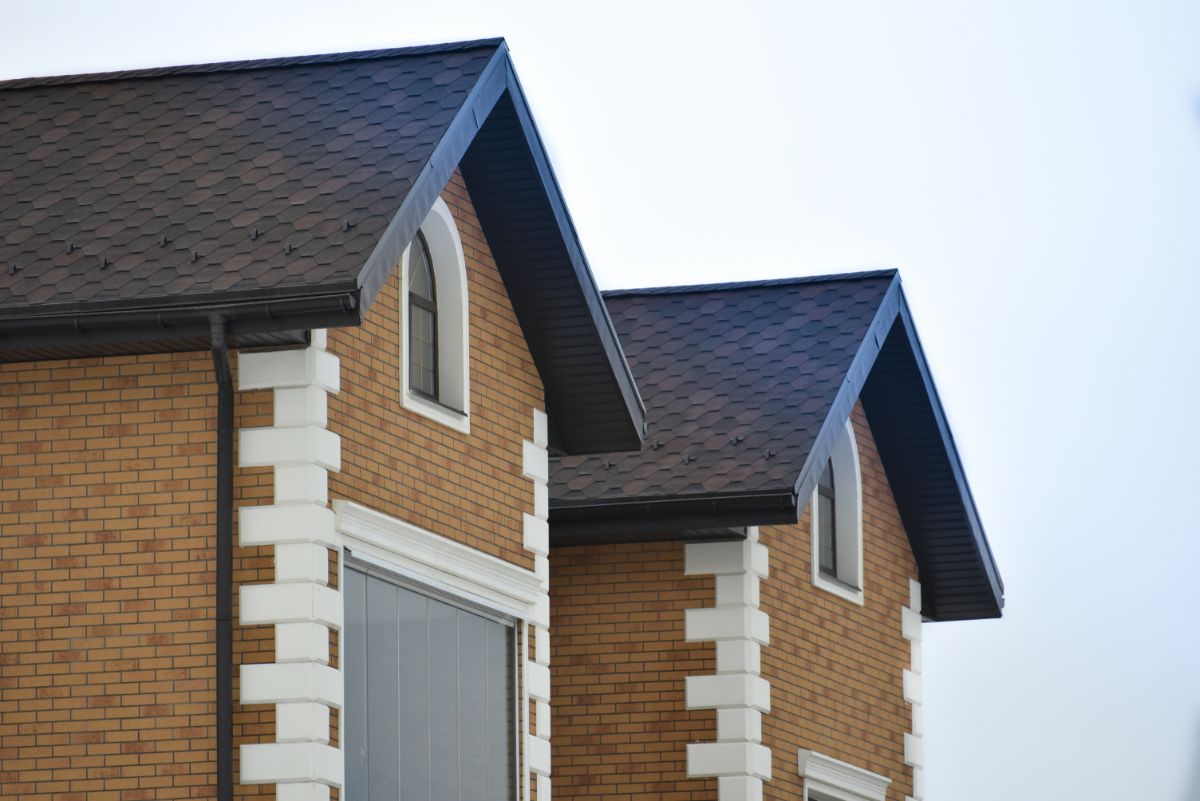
{"points": [[107, 525], [835, 667], [619, 660], [618, 665], [469, 487]]}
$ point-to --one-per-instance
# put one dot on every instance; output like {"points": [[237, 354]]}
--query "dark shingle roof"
{"points": [[250, 170], [747, 387], [738, 380], [277, 196]]}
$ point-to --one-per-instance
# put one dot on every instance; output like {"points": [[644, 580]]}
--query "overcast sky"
{"points": [[1033, 170]]}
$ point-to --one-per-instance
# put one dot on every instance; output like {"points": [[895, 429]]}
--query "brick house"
{"points": [[286, 348]]}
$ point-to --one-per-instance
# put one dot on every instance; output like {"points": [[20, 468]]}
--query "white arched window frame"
{"points": [[452, 406], [847, 482]]}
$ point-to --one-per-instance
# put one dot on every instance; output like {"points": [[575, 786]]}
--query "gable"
{"points": [[748, 387]]}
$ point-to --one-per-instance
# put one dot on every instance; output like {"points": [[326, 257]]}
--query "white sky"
{"points": [[1033, 169]]}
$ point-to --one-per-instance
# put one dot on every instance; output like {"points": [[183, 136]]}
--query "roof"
{"points": [[280, 193], [746, 388]]}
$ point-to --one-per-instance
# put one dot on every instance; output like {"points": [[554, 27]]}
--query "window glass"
{"points": [[827, 520], [422, 321], [429, 697]]}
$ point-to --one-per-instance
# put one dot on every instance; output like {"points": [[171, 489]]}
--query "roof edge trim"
{"points": [[248, 64], [697, 289]]}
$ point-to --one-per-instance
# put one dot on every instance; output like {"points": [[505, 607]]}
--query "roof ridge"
{"points": [[685, 289], [251, 64]]}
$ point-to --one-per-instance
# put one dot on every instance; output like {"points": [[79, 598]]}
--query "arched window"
{"points": [[422, 322], [837, 521], [434, 368]]}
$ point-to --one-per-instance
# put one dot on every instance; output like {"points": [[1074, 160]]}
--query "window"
{"points": [[430, 694], [828, 779], [435, 379], [837, 521], [422, 322]]}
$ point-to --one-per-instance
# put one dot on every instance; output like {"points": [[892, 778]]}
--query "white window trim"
{"points": [[454, 367], [443, 564], [838, 780], [846, 470]]}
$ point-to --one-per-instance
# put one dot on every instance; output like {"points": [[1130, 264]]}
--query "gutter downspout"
{"points": [[224, 559]]}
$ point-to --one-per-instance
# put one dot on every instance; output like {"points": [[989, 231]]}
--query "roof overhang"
{"points": [[891, 376]]}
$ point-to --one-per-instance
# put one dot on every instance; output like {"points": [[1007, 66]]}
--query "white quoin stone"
{"points": [[728, 690], [301, 406], [727, 623], [729, 759], [739, 788], [300, 721], [302, 483], [268, 447], [301, 642], [739, 724], [539, 754], [739, 656], [298, 681], [279, 369], [725, 558], [297, 602], [264, 763], [536, 462], [284, 523]]}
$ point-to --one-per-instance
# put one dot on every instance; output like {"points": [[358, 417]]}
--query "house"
{"points": [[286, 348], [737, 607]]}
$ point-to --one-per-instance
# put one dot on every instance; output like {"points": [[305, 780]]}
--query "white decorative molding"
{"points": [[300, 604], [910, 628], [535, 465], [847, 471], [452, 409], [840, 780], [740, 695], [437, 560]]}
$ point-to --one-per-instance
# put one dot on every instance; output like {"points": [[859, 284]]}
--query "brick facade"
{"points": [[835, 668], [619, 661], [467, 487], [107, 526], [107, 521]]}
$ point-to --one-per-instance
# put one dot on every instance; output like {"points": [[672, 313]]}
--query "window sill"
{"points": [[839, 588], [438, 412]]}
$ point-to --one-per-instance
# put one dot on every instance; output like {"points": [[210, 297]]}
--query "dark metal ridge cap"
{"points": [[689, 289], [982, 546], [498, 77], [249, 64]]}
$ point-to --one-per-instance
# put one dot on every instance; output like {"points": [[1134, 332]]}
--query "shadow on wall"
{"points": [[1192, 793]]}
